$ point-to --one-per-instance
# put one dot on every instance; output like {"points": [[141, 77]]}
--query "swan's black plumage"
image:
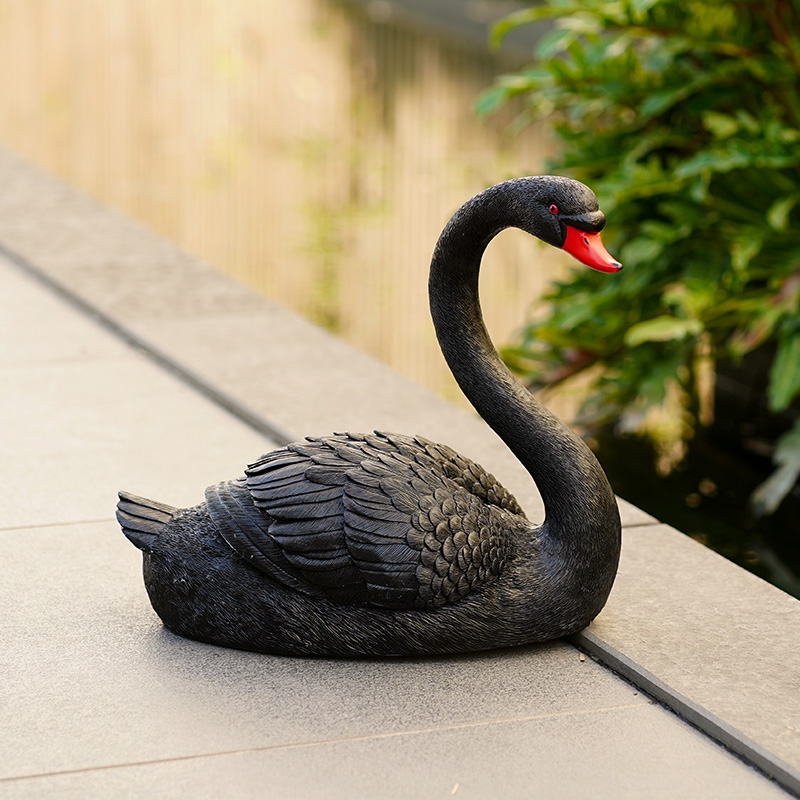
{"points": [[383, 544], [383, 520]]}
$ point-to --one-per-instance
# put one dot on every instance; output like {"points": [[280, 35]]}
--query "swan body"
{"points": [[384, 544]]}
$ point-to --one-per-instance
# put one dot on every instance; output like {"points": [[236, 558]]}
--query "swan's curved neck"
{"points": [[576, 493]]}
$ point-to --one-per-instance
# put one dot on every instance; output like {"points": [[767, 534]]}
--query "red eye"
{"points": [[553, 208]]}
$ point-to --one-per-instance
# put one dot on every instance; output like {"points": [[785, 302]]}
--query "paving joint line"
{"points": [[637, 525], [336, 740], [267, 428], [693, 713], [37, 525]]}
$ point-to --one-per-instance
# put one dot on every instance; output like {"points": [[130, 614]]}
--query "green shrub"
{"points": [[684, 117]]}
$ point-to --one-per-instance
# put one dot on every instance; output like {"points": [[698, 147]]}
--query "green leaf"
{"points": [[713, 161], [523, 17], [490, 100], [685, 120], [745, 247], [770, 494], [699, 188], [661, 101], [575, 50], [639, 8], [694, 298], [661, 329], [784, 377], [641, 250], [559, 70], [748, 121], [778, 212], [720, 125], [759, 326], [552, 42]]}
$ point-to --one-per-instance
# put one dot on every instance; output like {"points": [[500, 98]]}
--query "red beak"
{"points": [[588, 248]]}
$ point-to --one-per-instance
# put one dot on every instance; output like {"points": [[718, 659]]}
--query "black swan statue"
{"points": [[382, 544]]}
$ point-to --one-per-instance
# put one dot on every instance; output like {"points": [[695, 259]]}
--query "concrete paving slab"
{"points": [[86, 416], [91, 678], [615, 753], [721, 640], [110, 255], [91, 681], [32, 322], [77, 433]]}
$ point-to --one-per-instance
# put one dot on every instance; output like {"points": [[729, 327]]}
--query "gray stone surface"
{"points": [[28, 340], [105, 426], [716, 635], [95, 687], [617, 753], [98, 700], [83, 415], [102, 682]]}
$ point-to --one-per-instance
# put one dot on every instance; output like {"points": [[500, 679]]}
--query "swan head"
{"points": [[565, 214]]}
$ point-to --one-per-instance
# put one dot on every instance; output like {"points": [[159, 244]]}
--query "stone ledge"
{"points": [[712, 641], [682, 631]]}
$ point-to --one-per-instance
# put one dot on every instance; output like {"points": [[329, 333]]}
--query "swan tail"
{"points": [[142, 520]]}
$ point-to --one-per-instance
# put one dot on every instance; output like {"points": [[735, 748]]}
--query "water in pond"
{"points": [[708, 499]]}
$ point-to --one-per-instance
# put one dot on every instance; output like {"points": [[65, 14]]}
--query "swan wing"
{"points": [[371, 520], [246, 530], [471, 476], [297, 528], [420, 539]]}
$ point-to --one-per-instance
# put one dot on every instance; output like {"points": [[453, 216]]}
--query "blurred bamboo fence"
{"points": [[304, 147]]}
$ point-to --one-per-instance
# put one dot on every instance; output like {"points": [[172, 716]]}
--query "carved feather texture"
{"points": [[372, 520]]}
